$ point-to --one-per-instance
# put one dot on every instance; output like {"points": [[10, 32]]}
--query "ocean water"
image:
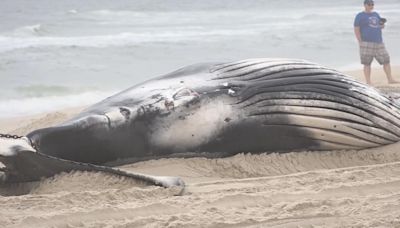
{"points": [[67, 53]]}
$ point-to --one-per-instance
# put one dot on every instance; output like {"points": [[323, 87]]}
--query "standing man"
{"points": [[368, 27]]}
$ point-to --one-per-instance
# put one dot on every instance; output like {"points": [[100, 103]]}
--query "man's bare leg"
{"points": [[367, 74], [388, 72]]}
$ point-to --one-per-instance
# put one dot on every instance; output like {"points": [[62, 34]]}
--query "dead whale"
{"points": [[212, 109]]}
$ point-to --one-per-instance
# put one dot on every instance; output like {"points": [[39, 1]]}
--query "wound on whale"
{"points": [[213, 110]]}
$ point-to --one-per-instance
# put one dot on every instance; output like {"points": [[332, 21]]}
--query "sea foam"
{"points": [[36, 105]]}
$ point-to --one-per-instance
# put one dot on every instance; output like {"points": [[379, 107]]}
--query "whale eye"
{"points": [[184, 92], [181, 93]]}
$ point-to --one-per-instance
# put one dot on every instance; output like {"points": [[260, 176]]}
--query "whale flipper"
{"points": [[23, 164]]}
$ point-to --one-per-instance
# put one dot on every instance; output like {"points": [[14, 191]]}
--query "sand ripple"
{"points": [[326, 189]]}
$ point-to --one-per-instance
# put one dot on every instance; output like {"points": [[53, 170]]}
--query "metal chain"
{"points": [[9, 136]]}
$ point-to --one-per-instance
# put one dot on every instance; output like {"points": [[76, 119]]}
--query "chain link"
{"points": [[9, 136]]}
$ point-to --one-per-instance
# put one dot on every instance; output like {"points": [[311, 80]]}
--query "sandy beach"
{"points": [[297, 189]]}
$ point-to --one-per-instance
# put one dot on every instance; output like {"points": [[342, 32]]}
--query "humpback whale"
{"points": [[212, 109]]}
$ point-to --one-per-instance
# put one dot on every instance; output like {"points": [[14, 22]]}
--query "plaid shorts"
{"points": [[370, 50]]}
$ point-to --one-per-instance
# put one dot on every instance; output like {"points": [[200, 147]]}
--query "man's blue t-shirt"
{"points": [[370, 28]]}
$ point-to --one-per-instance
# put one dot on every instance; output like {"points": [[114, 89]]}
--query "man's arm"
{"points": [[381, 23], [357, 33]]}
